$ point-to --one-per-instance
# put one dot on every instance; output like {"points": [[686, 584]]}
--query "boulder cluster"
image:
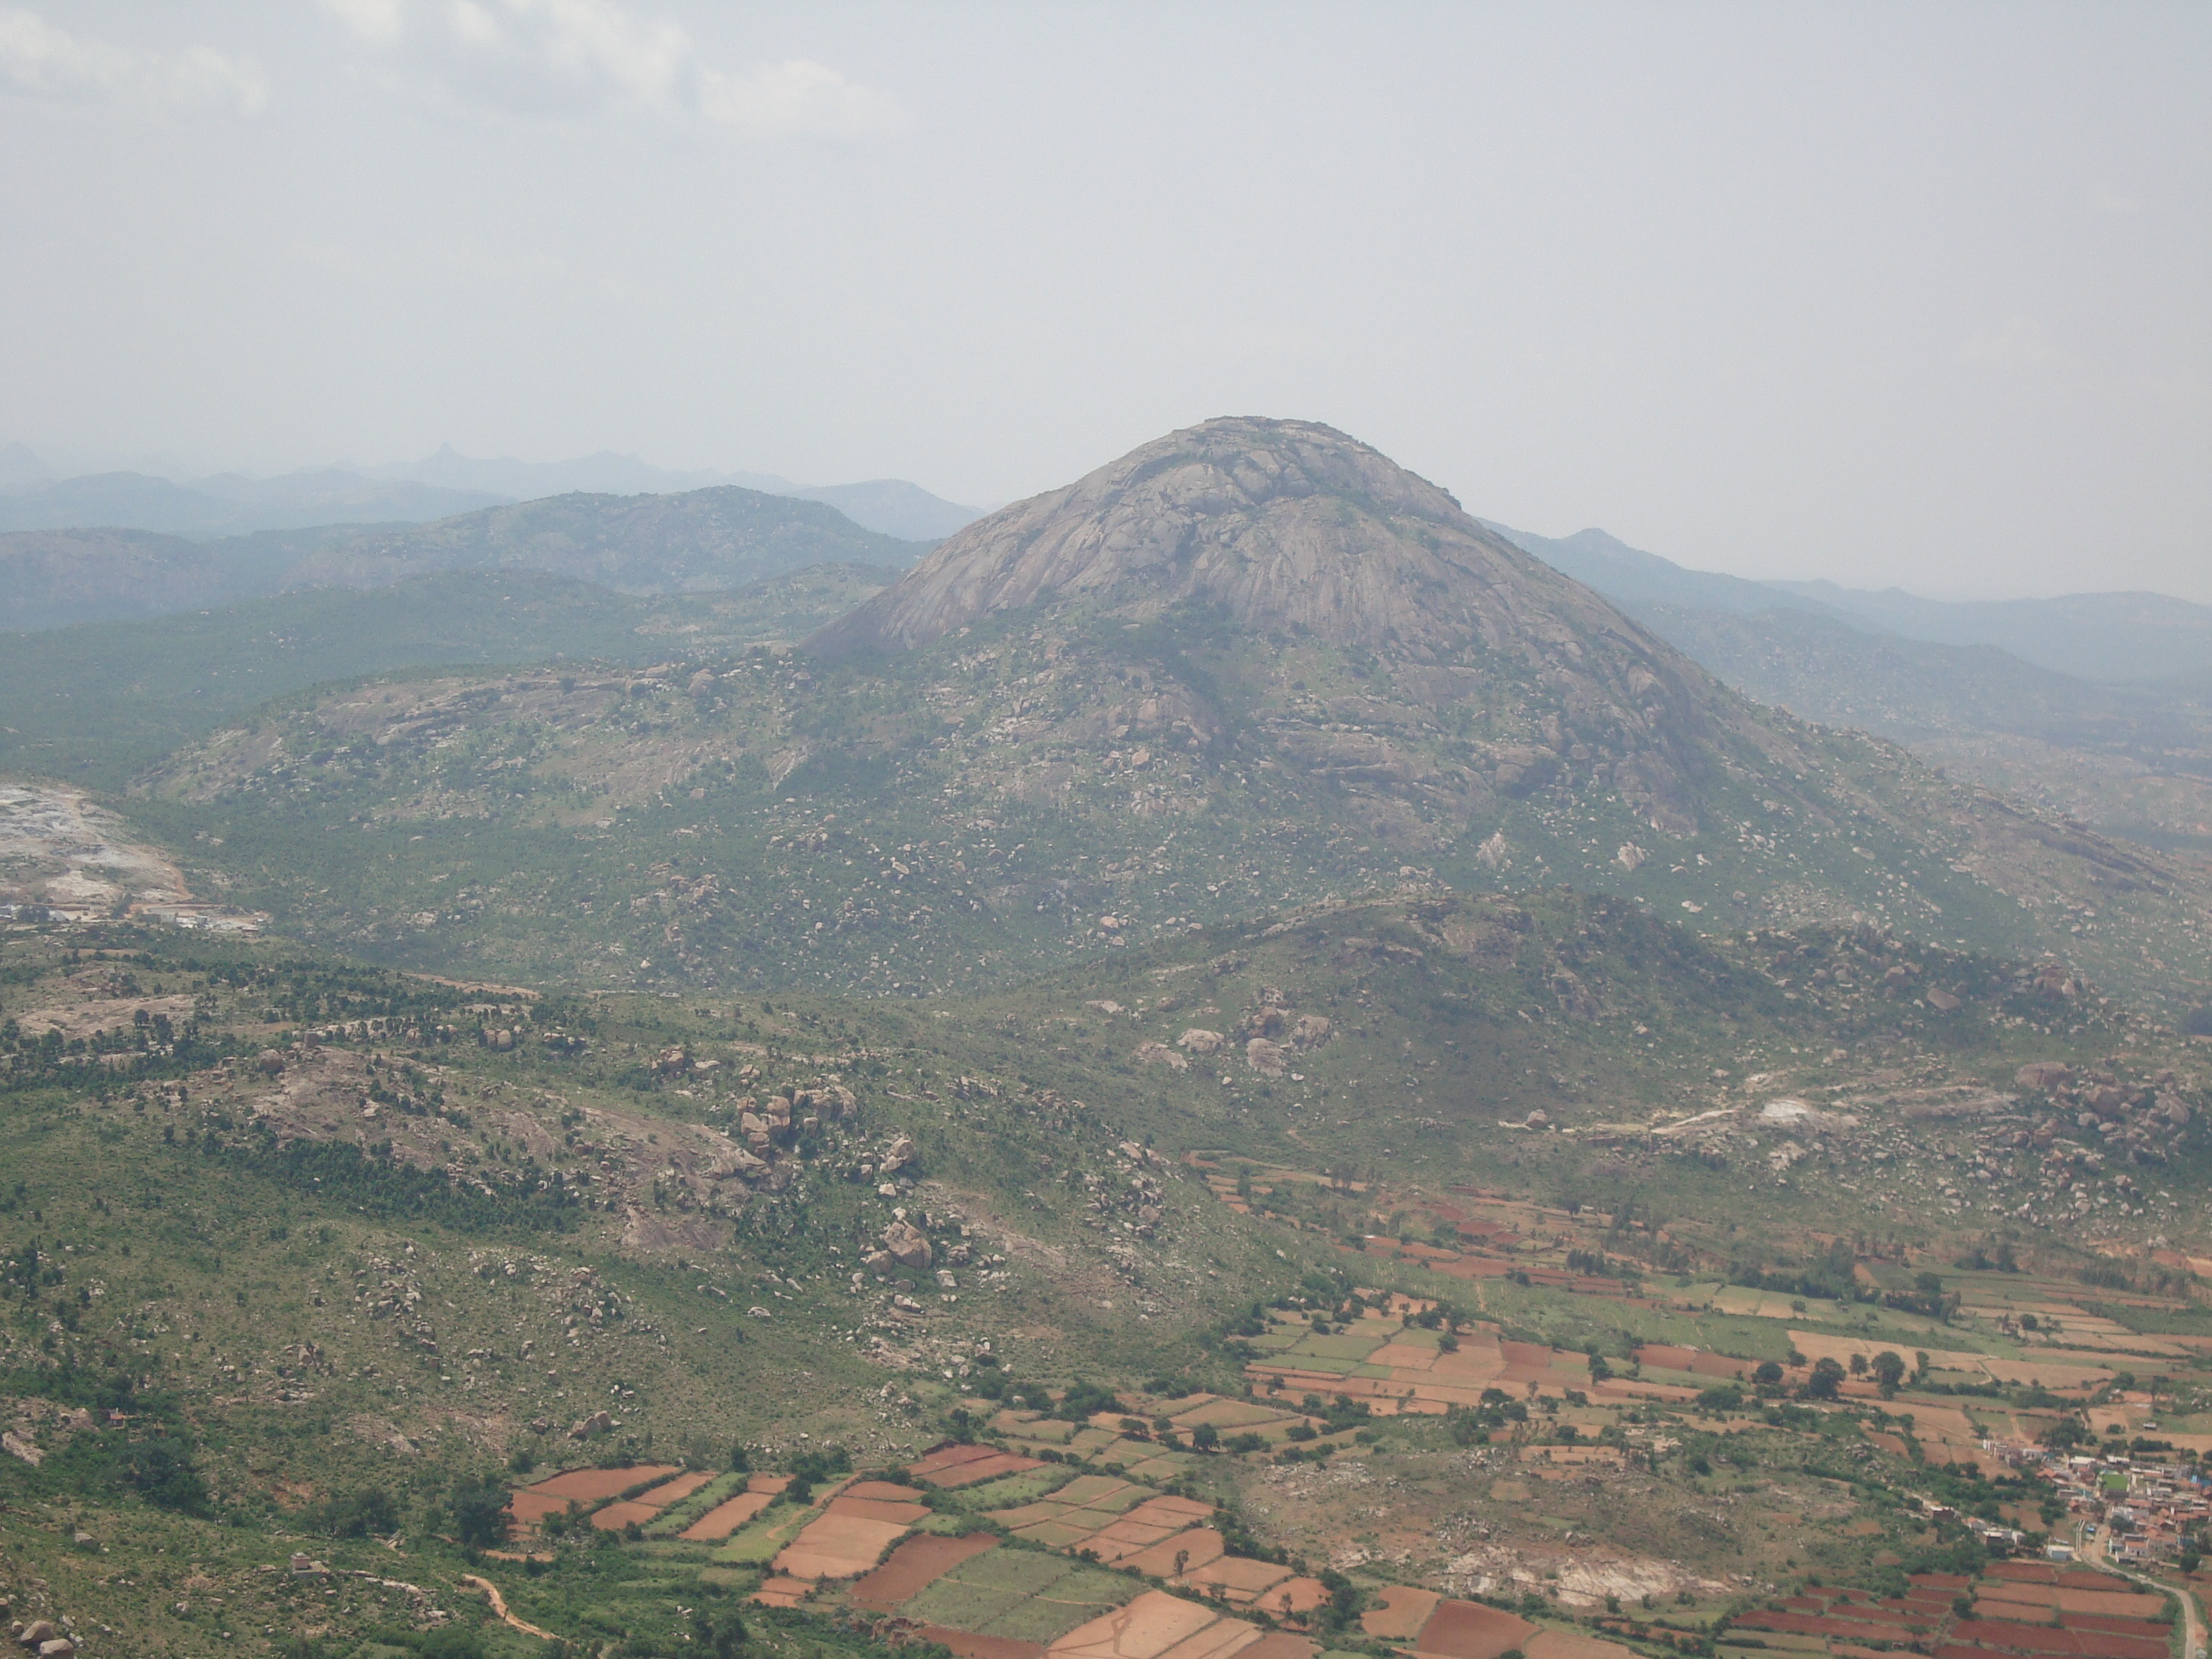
{"points": [[1269, 1034], [2140, 1117]]}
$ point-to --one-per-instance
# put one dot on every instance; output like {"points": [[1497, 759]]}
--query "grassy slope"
{"points": [[1003, 771], [92, 704]]}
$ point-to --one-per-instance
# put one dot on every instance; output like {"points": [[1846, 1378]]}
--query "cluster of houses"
{"points": [[2152, 1503]]}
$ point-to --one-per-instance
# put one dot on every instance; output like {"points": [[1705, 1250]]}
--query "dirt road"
{"points": [[2192, 1616], [499, 1607]]}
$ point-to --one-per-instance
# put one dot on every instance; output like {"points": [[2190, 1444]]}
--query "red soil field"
{"points": [[727, 1517], [2115, 1604], [529, 1508], [966, 1645], [1468, 1630], [673, 1492], [1144, 1629], [589, 1485], [1399, 1612], [914, 1566], [837, 1546]]}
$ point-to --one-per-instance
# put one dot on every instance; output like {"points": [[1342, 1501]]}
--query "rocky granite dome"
{"points": [[1291, 529], [1284, 524]]}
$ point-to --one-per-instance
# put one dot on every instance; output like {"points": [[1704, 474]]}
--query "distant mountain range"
{"points": [[2116, 637], [715, 538], [2098, 707], [229, 505], [439, 486]]}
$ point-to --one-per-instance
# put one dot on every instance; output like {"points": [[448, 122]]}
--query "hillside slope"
{"points": [[1252, 666], [2131, 760], [96, 702]]}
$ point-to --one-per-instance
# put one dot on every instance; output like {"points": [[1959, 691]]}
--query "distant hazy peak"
{"points": [[2127, 637], [605, 473], [20, 470], [895, 508]]}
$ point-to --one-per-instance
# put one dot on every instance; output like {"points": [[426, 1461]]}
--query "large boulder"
{"points": [[908, 1244], [1158, 1053], [2044, 1074], [1201, 1041]]}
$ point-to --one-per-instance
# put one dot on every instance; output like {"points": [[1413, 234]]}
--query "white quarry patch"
{"points": [[63, 856]]}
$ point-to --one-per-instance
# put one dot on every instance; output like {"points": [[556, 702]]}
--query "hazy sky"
{"points": [[1916, 294]]}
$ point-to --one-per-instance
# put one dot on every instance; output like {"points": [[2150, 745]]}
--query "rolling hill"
{"points": [[1251, 666], [720, 538], [95, 703]]}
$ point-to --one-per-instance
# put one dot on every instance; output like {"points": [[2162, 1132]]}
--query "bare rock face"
{"points": [[1265, 1056], [1285, 524], [1292, 528]]}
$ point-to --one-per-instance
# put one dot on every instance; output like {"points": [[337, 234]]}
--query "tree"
{"points": [[1827, 1377], [1888, 1372], [161, 1472], [368, 1512], [480, 1514], [1768, 1376], [722, 1634]]}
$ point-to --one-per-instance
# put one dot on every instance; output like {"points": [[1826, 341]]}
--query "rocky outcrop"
{"points": [[1283, 523], [908, 1244], [1265, 1056]]}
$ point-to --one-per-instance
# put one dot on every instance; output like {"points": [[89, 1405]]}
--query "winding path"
{"points": [[499, 1607]]}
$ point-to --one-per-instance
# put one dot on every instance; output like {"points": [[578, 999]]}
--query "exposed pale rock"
{"points": [[1265, 1056], [1201, 1041], [908, 1244]]}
